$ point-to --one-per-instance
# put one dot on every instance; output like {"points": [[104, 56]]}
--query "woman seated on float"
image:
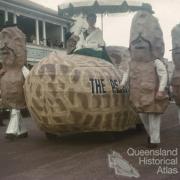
{"points": [[91, 41]]}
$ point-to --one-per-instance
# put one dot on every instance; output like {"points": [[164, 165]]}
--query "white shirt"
{"points": [[162, 74], [93, 40], [25, 72], [124, 69]]}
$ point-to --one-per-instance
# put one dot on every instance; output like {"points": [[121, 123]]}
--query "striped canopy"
{"points": [[76, 7]]}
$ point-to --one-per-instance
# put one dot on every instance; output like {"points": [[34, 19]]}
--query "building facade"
{"points": [[44, 28]]}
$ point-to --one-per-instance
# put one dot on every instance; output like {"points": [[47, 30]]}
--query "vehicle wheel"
{"points": [[25, 113], [51, 136], [140, 127]]}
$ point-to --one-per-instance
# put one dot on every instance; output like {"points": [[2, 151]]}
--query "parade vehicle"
{"points": [[74, 93], [77, 93]]}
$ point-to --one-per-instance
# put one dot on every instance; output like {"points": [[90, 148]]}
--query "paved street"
{"points": [[82, 156]]}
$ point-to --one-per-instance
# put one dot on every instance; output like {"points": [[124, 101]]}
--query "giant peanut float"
{"points": [[76, 93]]}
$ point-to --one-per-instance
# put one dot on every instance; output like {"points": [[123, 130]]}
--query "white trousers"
{"points": [[178, 107], [152, 123], [16, 126]]}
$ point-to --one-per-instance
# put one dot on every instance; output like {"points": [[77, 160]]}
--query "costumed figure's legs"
{"points": [[154, 127], [16, 127], [145, 121]]}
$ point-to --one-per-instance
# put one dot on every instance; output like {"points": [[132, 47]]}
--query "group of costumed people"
{"points": [[146, 75]]}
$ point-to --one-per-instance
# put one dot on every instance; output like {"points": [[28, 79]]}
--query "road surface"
{"points": [[85, 156]]}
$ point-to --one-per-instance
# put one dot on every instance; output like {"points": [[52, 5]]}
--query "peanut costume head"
{"points": [[12, 48], [146, 37]]}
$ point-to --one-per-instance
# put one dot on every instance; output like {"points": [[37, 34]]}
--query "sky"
{"points": [[117, 27]]}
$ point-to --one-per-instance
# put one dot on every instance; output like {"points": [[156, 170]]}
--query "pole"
{"points": [[102, 22], [62, 35], [6, 16], [14, 19], [37, 31], [44, 34]]}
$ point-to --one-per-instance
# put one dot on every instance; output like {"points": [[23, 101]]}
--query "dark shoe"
{"points": [[1, 123], [151, 145], [51, 136], [10, 136], [24, 135], [140, 127]]}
